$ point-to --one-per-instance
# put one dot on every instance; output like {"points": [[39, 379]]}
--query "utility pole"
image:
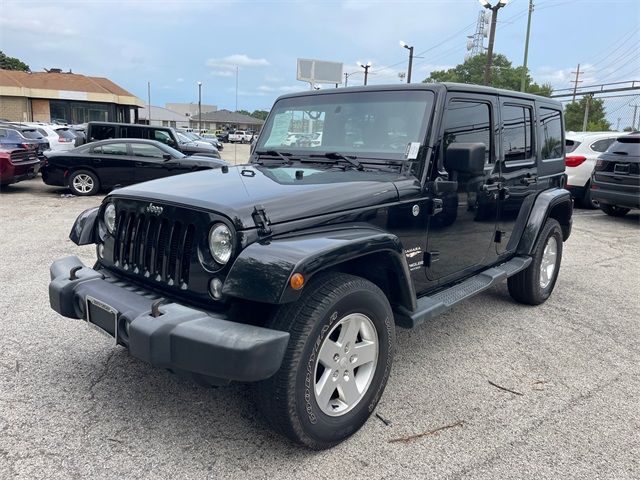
{"points": [[586, 113], [523, 83], [635, 111], [149, 102], [410, 48], [366, 70], [576, 82], [199, 107], [346, 79], [492, 35]]}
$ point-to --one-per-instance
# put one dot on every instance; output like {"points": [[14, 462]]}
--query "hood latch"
{"points": [[261, 220]]}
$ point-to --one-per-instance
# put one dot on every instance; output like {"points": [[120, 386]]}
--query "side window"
{"points": [[148, 151], [114, 149], [103, 132], [551, 127], [517, 135], [602, 145], [161, 136], [469, 122], [3, 133]]}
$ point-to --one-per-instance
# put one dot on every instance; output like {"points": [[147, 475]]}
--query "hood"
{"points": [[235, 193]]}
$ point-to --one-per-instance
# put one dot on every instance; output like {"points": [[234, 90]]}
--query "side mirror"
{"points": [[465, 158], [167, 157]]}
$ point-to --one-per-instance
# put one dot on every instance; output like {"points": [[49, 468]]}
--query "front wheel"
{"points": [[337, 362], [614, 210], [534, 284]]}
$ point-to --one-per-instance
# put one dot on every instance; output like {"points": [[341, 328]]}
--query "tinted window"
{"points": [[516, 133], [571, 145], [133, 132], [31, 134], [3, 133], [142, 150], [468, 122], [112, 149], [103, 132], [65, 134], [161, 136], [42, 132], [602, 145], [629, 145], [551, 126]]}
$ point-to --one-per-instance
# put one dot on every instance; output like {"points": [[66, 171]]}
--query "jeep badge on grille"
{"points": [[153, 209]]}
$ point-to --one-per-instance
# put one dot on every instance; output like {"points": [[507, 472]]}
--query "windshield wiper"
{"points": [[352, 159], [284, 156]]}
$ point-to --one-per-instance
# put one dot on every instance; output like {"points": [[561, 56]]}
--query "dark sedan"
{"points": [[118, 162]]}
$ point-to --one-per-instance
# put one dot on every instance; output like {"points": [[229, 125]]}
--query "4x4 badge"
{"points": [[154, 209]]}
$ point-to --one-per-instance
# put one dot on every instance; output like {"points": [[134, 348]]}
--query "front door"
{"points": [[462, 227], [150, 163]]}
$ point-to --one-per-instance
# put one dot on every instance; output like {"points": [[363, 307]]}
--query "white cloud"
{"points": [[223, 73], [35, 26], [180, 80], [237, 60], [266, 88]]}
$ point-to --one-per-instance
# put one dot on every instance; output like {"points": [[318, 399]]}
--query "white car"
{"points": [[582, 151], [59, 137]]}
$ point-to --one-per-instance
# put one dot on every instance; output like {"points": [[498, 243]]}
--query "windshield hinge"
{"points": [[261, 220]]}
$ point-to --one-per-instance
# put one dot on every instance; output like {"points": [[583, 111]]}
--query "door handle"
{"points": [[529, 180], [97, 160], [491, 187], [138, 164]]}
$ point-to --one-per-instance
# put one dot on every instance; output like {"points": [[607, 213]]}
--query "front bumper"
{"points": [[181, 338]]}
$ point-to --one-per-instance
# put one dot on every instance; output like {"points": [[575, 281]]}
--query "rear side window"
{"points": [[42, 132], [468, 122], [103, 132], [517, 132], [112, 149], [602, 145], [571, 145], [32, 134], [133, 132], [551, 126]]}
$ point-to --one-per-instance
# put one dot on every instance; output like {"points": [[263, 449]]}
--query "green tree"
{"points": [[11, 63], [503, 75], [243, 112], [260, 114], [596, 122]]}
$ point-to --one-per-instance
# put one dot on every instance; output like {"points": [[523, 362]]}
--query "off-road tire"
{"points": [[614, 210], [287, 400], [524, 287], [95, 185]]}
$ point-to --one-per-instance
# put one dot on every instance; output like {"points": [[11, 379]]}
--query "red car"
{"points": [[17, 165]]}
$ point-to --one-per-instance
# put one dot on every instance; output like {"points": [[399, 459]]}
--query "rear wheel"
{"points": [[84, 182], [614, 210], [337, 362], [534, 284]]}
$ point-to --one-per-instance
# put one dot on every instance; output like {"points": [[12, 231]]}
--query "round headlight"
{"points": [[220, 243], [110, 217]]}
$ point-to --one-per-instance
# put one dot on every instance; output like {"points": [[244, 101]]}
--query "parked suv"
{"points": [[615, 184], [167, 135], [295, 270], [583, 149], [14, 136]]}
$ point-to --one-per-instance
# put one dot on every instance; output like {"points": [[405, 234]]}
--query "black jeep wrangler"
{"points": [[294, 270]]}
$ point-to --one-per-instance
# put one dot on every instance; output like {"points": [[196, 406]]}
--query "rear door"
{"points": [[112, 164], [517, 166]]}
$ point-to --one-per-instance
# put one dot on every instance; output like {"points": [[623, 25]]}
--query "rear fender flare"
{"points": [[263, 270], [554, 203]]}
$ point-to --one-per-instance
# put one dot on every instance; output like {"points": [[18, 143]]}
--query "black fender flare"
{"points": [[262, 271], [84, 228], [555, 203]]}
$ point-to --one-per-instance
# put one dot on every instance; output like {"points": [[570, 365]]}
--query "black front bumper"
{"points": [[180, 338]]}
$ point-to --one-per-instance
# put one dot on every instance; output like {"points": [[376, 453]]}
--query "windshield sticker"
{"points": [[279, 130], [411, 153]]}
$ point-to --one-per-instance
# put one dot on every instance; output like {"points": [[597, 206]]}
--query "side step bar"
{"points": [[431, 306]]}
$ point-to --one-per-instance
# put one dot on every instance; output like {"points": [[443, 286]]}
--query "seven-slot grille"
{"points": [[18, 156], [155, 247]]}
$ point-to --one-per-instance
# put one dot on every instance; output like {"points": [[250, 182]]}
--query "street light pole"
{"points": [[402, 44], [366, 70], [199, 107], [492, 35]]}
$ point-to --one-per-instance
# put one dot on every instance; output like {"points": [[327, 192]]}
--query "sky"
{"points": [[175, 43]]}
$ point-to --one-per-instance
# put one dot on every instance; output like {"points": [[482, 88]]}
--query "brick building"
{"points": [[68, 97]]}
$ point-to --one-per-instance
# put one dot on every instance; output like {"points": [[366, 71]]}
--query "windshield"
{"points": [[183, 138], [373, 124], [190, 135]]}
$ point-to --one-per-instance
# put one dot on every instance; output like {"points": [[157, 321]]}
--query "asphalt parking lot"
{"points": [[71, 405]]}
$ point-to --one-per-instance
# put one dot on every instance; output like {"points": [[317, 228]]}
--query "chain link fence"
{"points": [[621, 112]]}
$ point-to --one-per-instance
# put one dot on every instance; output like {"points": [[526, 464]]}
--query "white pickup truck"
{"points": [[241, 136]]}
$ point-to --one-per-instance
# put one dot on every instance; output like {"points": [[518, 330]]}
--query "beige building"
{"points": [[64, 97]]}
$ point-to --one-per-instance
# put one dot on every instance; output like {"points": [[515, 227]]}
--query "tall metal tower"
{"points": [[475, 42]]}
